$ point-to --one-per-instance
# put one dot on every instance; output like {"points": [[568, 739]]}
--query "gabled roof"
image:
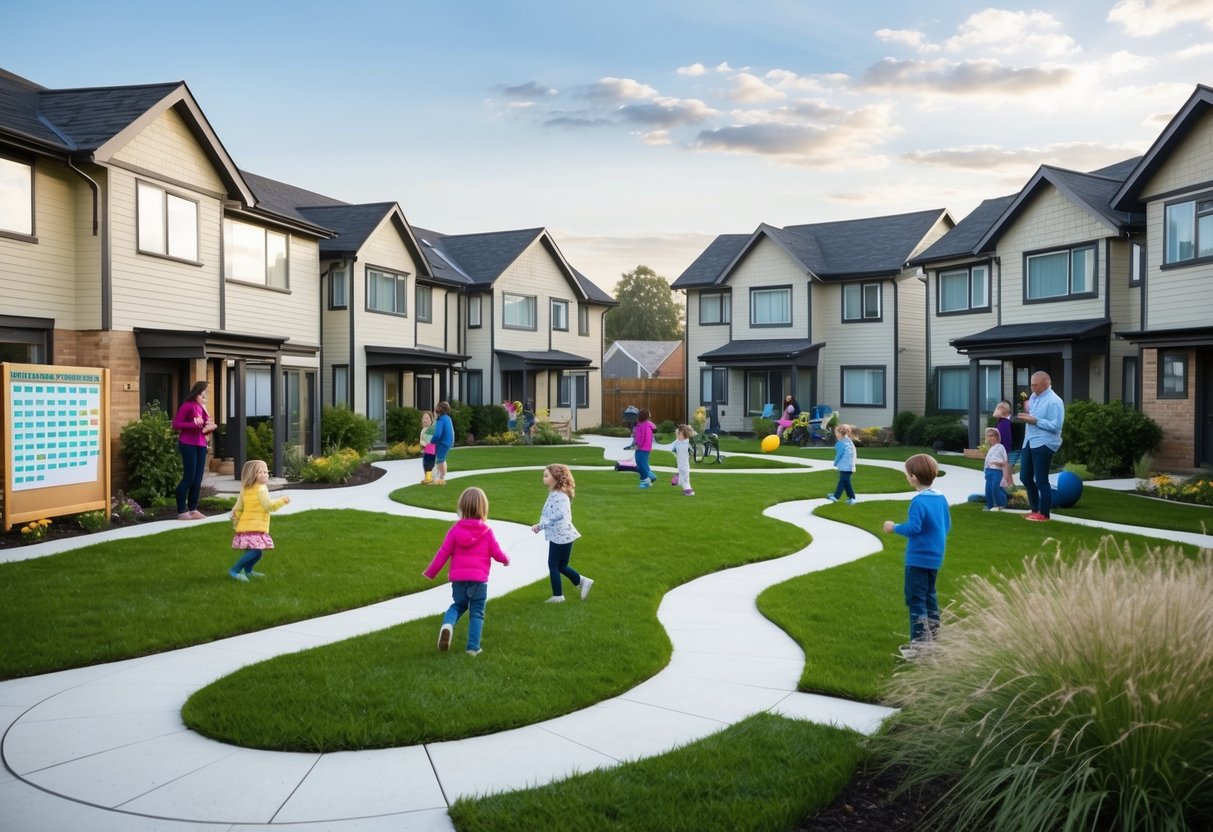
{"points": [[1092, 192], [1194, 109], [962, 240], [711, 263], [648, 354]]}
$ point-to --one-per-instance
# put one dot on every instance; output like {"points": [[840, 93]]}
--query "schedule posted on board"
{"points": [[56, 429]]}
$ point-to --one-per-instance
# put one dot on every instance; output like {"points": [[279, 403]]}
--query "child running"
{"points": [[682, 453], [251, 518], [844, 461], [642, 437], [471, 548], [428, 448], [556, 522]]}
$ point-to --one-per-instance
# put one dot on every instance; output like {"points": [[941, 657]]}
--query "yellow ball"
{"points": [[770, 443]]}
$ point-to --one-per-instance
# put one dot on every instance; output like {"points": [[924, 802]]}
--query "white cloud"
{"points": [[656, 137], [1194, 51], [618, 89], [786, 80], [531, 89], [979, 77], [907, 37], [1003, 31], [521, 105], [749, 89], [692, 70], [1080, 156], [723, 66], [1143, 18], [664, 113]]}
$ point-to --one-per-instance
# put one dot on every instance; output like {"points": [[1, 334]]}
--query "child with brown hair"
{"points": [[471, 548], [844, 461], [251, 518], [556, 522]]}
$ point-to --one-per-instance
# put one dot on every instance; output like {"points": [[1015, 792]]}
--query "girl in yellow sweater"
{"points": [[251, 517]]}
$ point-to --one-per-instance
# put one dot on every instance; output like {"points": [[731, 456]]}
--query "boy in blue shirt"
{"points": [[926, 532]]}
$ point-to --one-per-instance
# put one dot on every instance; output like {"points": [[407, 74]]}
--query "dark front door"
{"points": [[1204, 406], [160, 383]]}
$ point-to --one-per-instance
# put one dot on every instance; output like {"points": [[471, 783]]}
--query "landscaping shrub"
{"points": [[1197, 490], [93, 521], [667, 426], [1074, 696], [607, 429], [152, 460], [901, 424], [336, 467], [340, 427], [1107, 438], [260, 439], [763, 427], [488, 419], [948, 431], [293, 460], [403, 424], [403, 450], [461, 418], [544, 434], [873, 437]]}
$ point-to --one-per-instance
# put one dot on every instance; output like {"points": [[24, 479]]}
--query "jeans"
{"points": [[995, 496], [558, 564], [844, 482], [922, 602], [246, 561], [193, 460], [468, 595], [1034, 474], [642, 465]]}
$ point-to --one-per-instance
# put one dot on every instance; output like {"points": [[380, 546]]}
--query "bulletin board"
{"points": [[56, 439]]}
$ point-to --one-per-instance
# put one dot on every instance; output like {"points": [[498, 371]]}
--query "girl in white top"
{"points": [[556, 522], [995, 471], [682, 454]]}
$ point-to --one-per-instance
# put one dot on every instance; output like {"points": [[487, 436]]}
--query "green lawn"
{"points": [[1135, 510]]}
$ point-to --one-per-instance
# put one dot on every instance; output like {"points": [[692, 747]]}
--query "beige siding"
{"points": [[88, 247], [383, 250], [911, 344], [335, 339], [478, 344], [1177, 296], [947, 328], [853, 344], [768, 266], [167, 147], [434, 333], [700, 339], [1190, 162], [294, 314], [1124, 306], [39, 279]]}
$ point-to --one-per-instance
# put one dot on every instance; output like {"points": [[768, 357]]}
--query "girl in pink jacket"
{"points": [[471, 548]]}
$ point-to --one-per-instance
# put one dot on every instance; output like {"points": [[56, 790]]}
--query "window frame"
{"points": [[971, 308], [563, 306], [423, 303], [344, 401], [583, 319], [478, 377], [1196, 200], [1130, 377], [533, 302], [579, 383], [712, 371], [1182, 359], [725, 316], [939, 375], [1069, 251], [344, 303], [884, 384], [164, 214], [771, 290], [30, 236], [401, 294], [1137, 263], [475, 302], [863, 286], [229, 263]]}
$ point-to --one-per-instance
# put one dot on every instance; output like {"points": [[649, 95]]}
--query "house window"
{"points": [[1060, 274], [385, 292], [168, 224], [763, 388], [252, 254], [578, 385], [964, 290], [1188, 231], [863, 386], [425, 304], [991, 385], [475, 390], [861, 302], [339, 289], [16, 197], [341, 385], [1137, 264], [24, 340], [1173, 375], [1128, 383], [518, 311], [953, 384], [714, 308], [583, 320], [771, 307], [474, 312], [560, 315], [713, 385]]}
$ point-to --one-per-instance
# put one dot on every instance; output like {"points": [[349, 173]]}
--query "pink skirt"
{"points": [[252, 540]]}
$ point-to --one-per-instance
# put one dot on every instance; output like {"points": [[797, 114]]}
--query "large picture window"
{"points": [[714, 308], [861, 302], [713, 385], [168, 224], [863, 386], [1188, 230], [16, 197], [518, 311], [771, 307], [1060, 274], [964, 290], [386, 292], [252, 254]]}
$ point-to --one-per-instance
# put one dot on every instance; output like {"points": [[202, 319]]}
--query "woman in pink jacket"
{"points": [[193, 425], [471, 548]]}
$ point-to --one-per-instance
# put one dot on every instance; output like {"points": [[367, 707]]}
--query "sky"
{"points": [[637, 132]]}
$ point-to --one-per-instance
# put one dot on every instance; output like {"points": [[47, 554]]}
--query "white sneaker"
{"points": [[444, 637], [475, 652], [555, 599], [586, 583]]}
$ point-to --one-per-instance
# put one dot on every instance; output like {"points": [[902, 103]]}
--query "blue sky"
{"points": [[638, 131]]}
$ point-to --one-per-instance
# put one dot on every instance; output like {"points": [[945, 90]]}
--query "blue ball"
{"points": [[1068, 490]]}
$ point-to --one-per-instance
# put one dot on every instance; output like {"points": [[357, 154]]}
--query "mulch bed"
{"points": [[868, 803], [363, 474]]}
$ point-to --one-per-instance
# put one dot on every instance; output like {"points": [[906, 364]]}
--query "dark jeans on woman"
{"points": [[558, 564], [193, 460], [1034, 474]]}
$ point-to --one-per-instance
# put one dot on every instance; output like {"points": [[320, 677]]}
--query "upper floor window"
{"points": [[168, 224], [714, 308], [339, 289], [964, 290], [861, 302], [1060, 274], [425, 303], [560, 315], [771, 307], [863, 386], [1188, 230], [1137, 263], [253, 254], [16, 197], [474, 312], [583, 320], [385, 292], [518, 311]]}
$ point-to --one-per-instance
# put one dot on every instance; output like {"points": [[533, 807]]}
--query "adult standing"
{"points": [[193, 425], [1044, 415], [444, 440]]}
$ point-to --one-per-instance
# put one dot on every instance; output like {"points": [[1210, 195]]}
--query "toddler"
{"points": [[251, 517], [682, 453], [428, 448], [844, 461]]}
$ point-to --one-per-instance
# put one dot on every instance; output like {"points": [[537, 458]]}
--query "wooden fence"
{"points": [[665, 398]]}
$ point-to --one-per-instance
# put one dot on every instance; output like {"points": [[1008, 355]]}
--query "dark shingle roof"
{"points": [[284, 199], [1194, 109], [962, 240], [708, 266], [353, 224]]}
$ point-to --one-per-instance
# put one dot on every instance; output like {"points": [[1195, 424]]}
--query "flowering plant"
{"points": [[124, 509], [699, 419], [35, 530], [1023, 402]]}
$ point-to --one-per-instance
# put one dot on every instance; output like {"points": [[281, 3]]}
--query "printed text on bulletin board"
{"points": [[56, 428]]}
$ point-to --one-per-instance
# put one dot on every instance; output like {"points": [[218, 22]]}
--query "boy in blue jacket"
{"points": [[926, 532]]}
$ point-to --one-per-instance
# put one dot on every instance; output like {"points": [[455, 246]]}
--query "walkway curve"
{"points": [[103, 747]]}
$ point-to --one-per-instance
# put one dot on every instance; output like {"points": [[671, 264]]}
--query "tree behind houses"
{"points": [[647, 309]]}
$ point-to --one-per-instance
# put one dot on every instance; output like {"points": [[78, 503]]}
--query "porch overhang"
{"points": [[414, 358], [1198, 336], [795, 352], [1010, 340], [189, 344], [511, 361]]}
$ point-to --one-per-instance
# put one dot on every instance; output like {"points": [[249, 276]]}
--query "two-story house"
{"points": [[828, 312]]}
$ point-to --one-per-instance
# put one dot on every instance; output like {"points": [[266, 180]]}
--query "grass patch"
{"points": [[125, 598], [1134, 510], [762, 773], [517, 456]]}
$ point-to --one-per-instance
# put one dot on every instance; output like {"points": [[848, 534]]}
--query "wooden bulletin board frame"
{"points": [[38, 446]]}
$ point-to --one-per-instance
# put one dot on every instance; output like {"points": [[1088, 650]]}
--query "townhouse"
{"points": [[828, 312]]}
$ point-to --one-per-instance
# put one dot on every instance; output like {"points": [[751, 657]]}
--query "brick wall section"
{"points": [[1176, 417]]}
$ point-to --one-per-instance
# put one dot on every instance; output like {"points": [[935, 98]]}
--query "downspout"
{"points": [[349, 374], [107, 321], [896, 351], [1107, 313]]}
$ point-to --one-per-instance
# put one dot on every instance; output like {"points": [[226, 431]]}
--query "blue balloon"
{"points": [[1068, 490]]}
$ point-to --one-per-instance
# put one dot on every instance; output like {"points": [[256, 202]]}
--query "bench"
{"points": [[564, 428]]}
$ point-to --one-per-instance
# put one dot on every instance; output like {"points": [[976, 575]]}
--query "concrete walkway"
{"points": [[104, 748]]}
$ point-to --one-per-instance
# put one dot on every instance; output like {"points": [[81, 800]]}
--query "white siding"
{"points": [[166, 146], [39, 279], [294, 314]]}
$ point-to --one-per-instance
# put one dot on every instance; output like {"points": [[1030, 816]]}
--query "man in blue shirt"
{"points": [[1044, 415]]}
